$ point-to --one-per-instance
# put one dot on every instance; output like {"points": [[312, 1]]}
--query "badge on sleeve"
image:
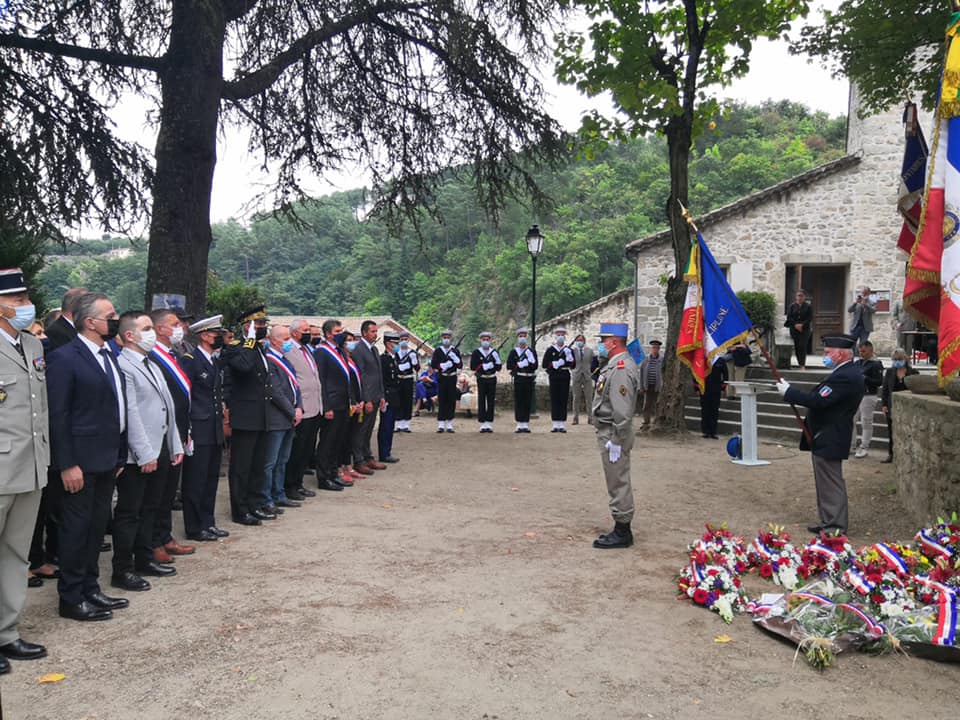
{"points": [[623, 390], [3, 395], [621, 364], [825, 391]]}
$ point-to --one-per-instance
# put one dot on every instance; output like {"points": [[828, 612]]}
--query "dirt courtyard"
{"points": [[461, 583]]}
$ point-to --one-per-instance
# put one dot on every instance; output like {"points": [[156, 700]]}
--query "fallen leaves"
{"points": [[51, 678], [723, 639]]}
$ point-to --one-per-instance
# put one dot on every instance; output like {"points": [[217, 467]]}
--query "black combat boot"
{"points": [[619, 537]]}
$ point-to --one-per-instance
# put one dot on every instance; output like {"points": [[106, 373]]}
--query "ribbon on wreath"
{"points": [[927, 541], [873, 626], [947, 612], [892, 557], [858, 581]]}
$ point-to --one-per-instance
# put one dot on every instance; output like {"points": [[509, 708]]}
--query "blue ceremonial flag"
{"points": [[636, 351], [725, 322]]}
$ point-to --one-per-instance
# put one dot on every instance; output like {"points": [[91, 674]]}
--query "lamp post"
{"points": [[534, 247]]}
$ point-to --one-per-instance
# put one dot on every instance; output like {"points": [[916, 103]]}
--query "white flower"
{"points": [[788, 577], [723, 606]]}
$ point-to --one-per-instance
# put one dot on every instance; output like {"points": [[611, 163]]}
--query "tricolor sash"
{"points": [[173, 367], [335, 354], [277, 359]]}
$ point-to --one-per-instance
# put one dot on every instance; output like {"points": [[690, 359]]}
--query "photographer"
{"points": [[862, 310]]}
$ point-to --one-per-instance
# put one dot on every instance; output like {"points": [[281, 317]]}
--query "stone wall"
{"points": [[926, 443]]}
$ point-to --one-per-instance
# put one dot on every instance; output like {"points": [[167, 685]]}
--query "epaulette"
{"points": [[187, 355], [234, 343], [249, 344]]}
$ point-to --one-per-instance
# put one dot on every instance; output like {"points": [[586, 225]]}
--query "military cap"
{"points": [[610, 329], [523, 331], [560, 331], [11, 281], [485, 334], [214, 323], [258, 312], [391, 337], [183, 315], [656, 342], [840, 342], [447, 331]]}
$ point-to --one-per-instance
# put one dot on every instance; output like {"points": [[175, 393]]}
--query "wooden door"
{"points": [[825, 286]]}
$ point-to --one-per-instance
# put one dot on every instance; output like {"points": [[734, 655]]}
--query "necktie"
{"points": [[306, 356], [19, 347], [108, 369]]}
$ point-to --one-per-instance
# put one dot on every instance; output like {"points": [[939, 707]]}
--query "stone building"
{"points": [[829, 231]]}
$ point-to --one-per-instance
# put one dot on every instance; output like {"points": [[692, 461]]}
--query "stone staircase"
{"points": [[775, 419]]}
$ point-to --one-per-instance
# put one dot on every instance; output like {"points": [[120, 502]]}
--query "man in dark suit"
{"points": [[800, 322], [62, 330], [201, 471], [371, 390], [337, 397], [832, 406], [249, 403], [170, 333], [88, 433]]}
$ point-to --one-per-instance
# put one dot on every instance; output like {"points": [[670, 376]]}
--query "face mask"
{"points": [[305, 338], [485, 344], [339, 338], [316, 341], [561, 339], [113, 327], [579, 344], [148, 338], [261, 333], [602, 351], [287, 346], [351, 345], [828, 361], [899, 363], [217, 342], [24, 318], [522, 341], [446, 341], [403, 344], [176, 335]]}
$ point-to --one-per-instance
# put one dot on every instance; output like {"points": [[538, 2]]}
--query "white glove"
{"points": [[488, 366], [251, 333], [522, 363], [782, 386], [557, 364], [446, 365], [614, 451]]}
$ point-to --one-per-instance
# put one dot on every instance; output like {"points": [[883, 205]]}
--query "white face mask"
{"points": [[177, 335], [148, 339]]}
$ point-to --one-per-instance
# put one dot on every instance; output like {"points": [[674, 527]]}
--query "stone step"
{"points": [[787, 435]]}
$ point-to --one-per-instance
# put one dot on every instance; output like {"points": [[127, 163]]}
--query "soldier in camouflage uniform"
{"points": [[614, 404]]}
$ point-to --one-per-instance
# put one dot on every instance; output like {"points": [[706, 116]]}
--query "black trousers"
{"points": [[800, 340], [201, 478], [44, 547], [163, 518], [486, 398], [83, 524], [709, 412], [138, 497], [302, 452], [446, 397], [559, 394], [405, 406], [385, 433], [248, 449], [333, 438], [522, 397]]}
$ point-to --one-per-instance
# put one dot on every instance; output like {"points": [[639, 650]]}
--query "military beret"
{"points": [[840, 342]]}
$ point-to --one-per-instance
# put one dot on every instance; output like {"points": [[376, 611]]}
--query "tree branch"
{"points": [[256, 82], [235, 9], [104, 57]]}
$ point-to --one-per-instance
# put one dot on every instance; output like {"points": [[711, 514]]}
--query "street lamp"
{"points": [[534, 247]]}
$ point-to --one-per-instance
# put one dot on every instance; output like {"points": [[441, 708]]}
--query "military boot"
{"points": [[619, 537]]}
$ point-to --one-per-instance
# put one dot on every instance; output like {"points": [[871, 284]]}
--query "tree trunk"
{"points": [[676, 377], [186, 153]]}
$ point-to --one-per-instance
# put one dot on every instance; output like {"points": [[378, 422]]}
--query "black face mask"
{"points": [[305, 338], [340, 338], [113, 327], [316, 341], [217, 342], [261, 333]]}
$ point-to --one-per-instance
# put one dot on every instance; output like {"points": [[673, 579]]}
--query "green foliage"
{"points": [[761, 308], [231, 300], [28, 253], [884, 46]]}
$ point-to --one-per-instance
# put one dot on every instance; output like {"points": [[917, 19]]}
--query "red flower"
{"points": [[877, 598], [700, 596], [713, 572], [766, 571]]}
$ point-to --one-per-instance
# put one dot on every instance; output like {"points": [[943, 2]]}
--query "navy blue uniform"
{"points": [[201, 471]]}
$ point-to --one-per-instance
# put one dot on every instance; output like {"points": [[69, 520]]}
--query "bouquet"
{"points": [[775, 557]]}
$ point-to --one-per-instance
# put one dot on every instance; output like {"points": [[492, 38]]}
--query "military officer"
{"points": [[391, 394], [486, 363], [447, 362], [614, 404], [522, 364], [833, 404], [558, 361], [23, 463], [408, 365]]}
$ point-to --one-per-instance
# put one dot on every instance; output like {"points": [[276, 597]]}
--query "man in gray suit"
{"points": [[861, 311], [154, 449], [24, 456], [582, 379], [371, 392]]}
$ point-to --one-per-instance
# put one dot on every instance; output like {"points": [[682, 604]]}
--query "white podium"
{"points": [[747, 392]]}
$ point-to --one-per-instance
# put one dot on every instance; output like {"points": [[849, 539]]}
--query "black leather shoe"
{"points": [[815, 529], [155, 569], [202, 536], [887, 459], [4, 666], [327, 484], [288, 504], [306, 492], [440, 430], [263, 515], [296, 496], [451, 430], [20, 649], [391, 459], [85, 611], [218, 532], [619, 537], [98, 599], [247, 519], [129, 581], [273, 509]]}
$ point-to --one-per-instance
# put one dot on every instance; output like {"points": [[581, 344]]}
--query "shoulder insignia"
{"points": [[621, 364], [249, 344], [234, 343], [187, 355], [825, 391], [623, 390]]}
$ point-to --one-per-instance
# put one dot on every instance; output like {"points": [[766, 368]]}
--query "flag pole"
{"points": [[756, 336]]}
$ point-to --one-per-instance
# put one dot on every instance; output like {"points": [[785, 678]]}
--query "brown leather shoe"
{"points": [[362, 469], [353, 473], [160, 555], [175, 548], [374, 465], [346, 478]]}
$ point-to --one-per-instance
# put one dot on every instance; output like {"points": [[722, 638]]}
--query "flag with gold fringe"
{"points": [[932, 287], [912, 177]]}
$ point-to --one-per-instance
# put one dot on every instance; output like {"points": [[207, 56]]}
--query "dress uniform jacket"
{"points": [[479, 358], [206, 403], [564, 359], [251, 392], [24, 436], [614, 402], [832, 404], [391, 379], [522, 362]]}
